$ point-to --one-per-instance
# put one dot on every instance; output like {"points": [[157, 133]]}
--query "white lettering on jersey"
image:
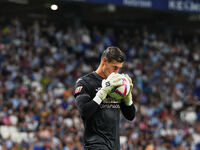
{"points": [[98, 89]]}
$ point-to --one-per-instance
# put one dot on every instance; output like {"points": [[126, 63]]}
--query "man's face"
{"points": [[109, 67]]}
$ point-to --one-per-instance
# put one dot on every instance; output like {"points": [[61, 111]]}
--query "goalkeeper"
{"points": [[99, 112]]}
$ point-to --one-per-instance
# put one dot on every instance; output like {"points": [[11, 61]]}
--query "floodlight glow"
{"points": [[111, 8], [54, 7]]}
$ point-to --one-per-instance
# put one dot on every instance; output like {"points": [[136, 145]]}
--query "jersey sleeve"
{"points": [[80, 88], [128, 111], [86, 106]]}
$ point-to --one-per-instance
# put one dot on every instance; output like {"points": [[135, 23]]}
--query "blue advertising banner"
{"points": [[176, 5], [190, 6]]}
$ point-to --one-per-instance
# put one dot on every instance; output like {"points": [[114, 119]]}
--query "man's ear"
{"points": [[104, 59]]}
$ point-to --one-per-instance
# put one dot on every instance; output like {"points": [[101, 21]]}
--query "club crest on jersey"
{"points": [[78, 89]]}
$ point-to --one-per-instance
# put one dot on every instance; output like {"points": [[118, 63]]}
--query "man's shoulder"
{"points": [[89, 80], [84, 83], [87, 77]]}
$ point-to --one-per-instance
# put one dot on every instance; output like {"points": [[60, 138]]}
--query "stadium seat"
{"points": [[23, 135], [5, 132], [123, 140], [16, 137], [13, 129]]}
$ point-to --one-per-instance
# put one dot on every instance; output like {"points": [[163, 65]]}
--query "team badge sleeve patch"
{"points": [[78, 89]]}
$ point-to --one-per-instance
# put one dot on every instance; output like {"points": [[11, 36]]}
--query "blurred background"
{"points": [[46, 45]]}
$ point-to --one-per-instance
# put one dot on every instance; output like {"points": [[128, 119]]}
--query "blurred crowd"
{"points": [[40, 63]]}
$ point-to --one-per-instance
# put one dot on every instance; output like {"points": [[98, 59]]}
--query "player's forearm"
{"points": [[86, 106], [128, 111]]}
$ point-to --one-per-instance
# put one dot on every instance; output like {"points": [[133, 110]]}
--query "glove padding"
{"points": [[113, 80], [128, 99]]}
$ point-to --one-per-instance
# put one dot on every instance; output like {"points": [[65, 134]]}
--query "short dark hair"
{"points": [[113, 53]]}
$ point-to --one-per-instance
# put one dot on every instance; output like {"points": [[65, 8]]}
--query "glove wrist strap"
{"points": [[97, 99], [129, 102]]}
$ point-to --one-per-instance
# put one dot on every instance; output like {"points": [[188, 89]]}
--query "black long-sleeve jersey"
{"points": [[101, 122]]}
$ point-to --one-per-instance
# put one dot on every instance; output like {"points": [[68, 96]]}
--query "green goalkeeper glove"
{"points": [[128, 99], [113, 80]]}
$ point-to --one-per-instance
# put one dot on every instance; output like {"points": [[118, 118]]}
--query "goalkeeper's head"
{"points": [[112, 60]]}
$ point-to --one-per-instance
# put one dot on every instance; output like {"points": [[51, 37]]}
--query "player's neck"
{"points": [[100, 72]]}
